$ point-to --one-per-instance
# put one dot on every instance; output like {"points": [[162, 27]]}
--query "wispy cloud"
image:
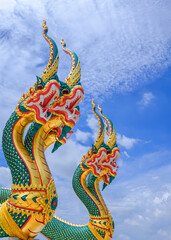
{"points": [[145, 201], [120, 44], [64, 161], [126, 154], [82, 136], [5, 177], [126, 142], [146, 99], [92, 123]]}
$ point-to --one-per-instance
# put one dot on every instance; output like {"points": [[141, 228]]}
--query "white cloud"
{"points": [[82, 136], [7, 5], [64, 161], [126, 142], [164, 233], [162, 198], [5, 177], [133, 204], [126, 154], [92, 123], [146, 99], [120, 44], [123, 237]]}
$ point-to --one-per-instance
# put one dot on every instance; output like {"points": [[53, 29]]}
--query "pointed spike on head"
{"points": [[75, 73], [104, 186], [52, 65], [63, 43], [111, 133], [100, 138], [44, 25]]}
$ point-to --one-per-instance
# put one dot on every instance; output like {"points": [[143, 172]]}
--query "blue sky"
{"points": [[124, 49]]}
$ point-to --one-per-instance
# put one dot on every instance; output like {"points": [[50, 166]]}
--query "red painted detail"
{"points": [[49, 181], [30, 190], [34, 232], [59, 133], [39, 87], [41, 138], [65, 115], [38, 113], [29, 209], [40, 144], [71, 132], [43, 159], [30, 161], [26, 154], [69, 97], [38, 221], [47, 171], [40, 150], [45, 92], [19, 133], [33, 168], [98, 226], [26, 222], [36, 163], [63, 140], [100, 218], [44, 131], [22, 112], [22, 125]]}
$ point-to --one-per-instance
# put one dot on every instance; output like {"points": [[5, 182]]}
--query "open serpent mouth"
{"points": [[104, 165], [42, 101], [60, 134], [69, 107], [95, 163], [109, 164]]}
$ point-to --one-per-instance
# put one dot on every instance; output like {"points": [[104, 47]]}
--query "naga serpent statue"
{"points": [[51, 108]]}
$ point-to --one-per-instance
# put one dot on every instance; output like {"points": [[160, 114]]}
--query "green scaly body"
{"points": [[19, 171]]}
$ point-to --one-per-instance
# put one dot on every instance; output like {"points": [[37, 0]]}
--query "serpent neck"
{"points": [[89, 193], [18, 158], [87, 198]]}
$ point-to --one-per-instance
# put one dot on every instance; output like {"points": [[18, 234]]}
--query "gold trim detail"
{"points": [[94, 232], [8, 224]]}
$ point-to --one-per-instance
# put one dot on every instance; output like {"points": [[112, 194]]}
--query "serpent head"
{"points": [[51, 98], [101, 159]]}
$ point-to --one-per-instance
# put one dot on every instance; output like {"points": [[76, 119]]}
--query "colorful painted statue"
{"points": [[52, 108]]}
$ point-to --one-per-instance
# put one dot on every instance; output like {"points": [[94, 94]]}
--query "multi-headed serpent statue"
{"points": [[51, 106]]}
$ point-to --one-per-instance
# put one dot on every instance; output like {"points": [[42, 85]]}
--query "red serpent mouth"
{"points": [[42, 101], [68, 108]]}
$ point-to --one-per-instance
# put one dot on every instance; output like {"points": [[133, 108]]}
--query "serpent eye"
{"points": [[39, 87], [65, 91], [108, 151], [94, 152]]}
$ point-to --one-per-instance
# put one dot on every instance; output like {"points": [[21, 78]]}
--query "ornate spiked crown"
{"points": [[109, 129], [52, 65]]}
